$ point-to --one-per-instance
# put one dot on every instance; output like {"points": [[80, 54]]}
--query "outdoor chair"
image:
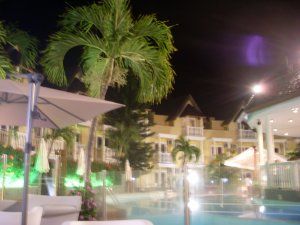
{"points": [[6, 204], [109, 222], [14, 218], [56, 209]]}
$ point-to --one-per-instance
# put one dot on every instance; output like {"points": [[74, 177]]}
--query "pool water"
{"points": [[217, 210]]}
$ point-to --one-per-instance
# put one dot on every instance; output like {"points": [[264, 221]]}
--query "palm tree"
{"points": [[295, 154], [18, 50], [113, 45], [184, 151], [187, 152], [67, 134], [120, 138]]}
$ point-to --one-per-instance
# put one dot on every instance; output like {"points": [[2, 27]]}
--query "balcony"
{"points": [[247, 134], [110, 156], [193, 131], [165, 158], [17, 141]]}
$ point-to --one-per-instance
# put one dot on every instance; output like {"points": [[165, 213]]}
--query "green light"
{"points": [[72, 181], [16, 180]]}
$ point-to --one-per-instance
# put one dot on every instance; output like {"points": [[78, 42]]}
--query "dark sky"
{"points": [[223, 46]]}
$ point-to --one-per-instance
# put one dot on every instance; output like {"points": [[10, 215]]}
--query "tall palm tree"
{"points": [[187, 152], [113, 45], [18, 50]]}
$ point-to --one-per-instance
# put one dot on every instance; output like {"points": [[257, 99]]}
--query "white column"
{"points": [[270, 141], [103, 149], [202, 151], [260, 142]]}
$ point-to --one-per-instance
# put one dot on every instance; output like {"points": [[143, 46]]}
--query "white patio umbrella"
{"points": [[42, 163], [128, 171], [245, 160], [35, 106], [81, 165]]}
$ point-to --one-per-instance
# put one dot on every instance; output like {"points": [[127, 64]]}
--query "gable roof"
{"points": [[179, 107]]}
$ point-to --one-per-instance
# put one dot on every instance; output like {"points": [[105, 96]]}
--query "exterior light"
{"points": [[262, 209], [295, 110], [193, 177], [275, 129], [290, 121], [286, 134], [272, 121], [257, 89], [193, 205]]}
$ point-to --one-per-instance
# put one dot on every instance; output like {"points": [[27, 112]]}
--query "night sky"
{"points": [[223, 46]]}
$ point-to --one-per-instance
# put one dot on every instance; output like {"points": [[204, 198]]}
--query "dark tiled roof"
{"points": [[178, 107]]}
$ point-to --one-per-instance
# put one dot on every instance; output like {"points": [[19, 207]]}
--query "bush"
{"points": [[88, 207]]}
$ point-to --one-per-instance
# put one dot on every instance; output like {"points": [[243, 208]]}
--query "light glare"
{"points": [[257, 89]]}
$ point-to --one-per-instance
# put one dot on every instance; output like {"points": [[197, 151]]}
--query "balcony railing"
{"points": [[17, 140], [110, 155], [193, 131], [165, 158], [247, 134]]}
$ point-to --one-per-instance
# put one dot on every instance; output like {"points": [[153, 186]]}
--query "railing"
{"points": [[165, 158], [282, 175], [17, 140], [193, 131], [110, 155], [247, 134]]}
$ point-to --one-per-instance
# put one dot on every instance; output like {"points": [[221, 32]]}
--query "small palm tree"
{"points": [[295, 154], [184, 151], [187, 152], [67, 134]]}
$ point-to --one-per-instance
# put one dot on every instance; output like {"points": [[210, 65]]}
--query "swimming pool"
{"points": [[217, 210]]}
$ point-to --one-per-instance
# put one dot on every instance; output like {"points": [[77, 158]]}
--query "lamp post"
{"points": [[256, 89]]}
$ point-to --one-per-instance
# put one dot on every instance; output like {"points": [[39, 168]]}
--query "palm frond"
{"points": [[25, 44], [94, 68], [5, 65], [83, 18], [157, 34], [2, 33], [60, 43]]}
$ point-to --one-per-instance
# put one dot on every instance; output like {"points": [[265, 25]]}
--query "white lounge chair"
{"points": [[6, 204], [109, 222], [56, 209], [14, 218]]}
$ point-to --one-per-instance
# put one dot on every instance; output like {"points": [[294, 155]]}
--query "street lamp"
{"points": [[255, 89]]}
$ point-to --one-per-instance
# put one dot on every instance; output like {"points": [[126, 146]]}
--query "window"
{"points": [[212, 150], [216, 151], [156, 147], [219, 150], [77, 138], [277, 150], [163, 148], [99, 142], [169, 142], [3, 127], [106, 142]]}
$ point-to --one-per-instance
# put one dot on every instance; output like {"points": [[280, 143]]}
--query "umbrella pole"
{"points": [[28, 147]]}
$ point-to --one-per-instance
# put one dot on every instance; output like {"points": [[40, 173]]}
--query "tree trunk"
{"points": [[93, 128]]}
